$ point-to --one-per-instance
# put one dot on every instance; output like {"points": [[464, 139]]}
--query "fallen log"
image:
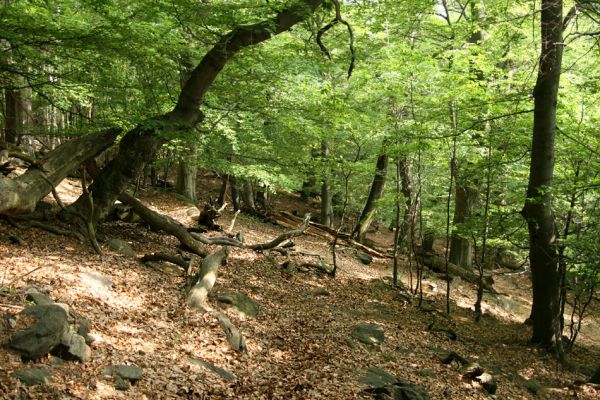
{"points": [[438, 264], [206, 279], [167, 224], [287, 219], [21, 194], [177, 260]]}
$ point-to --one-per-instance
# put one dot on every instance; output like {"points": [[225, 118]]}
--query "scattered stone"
{"points": [[243, 305], [233, 334], [37, 297], [131, 373], [364, 257], [45, 334], [83, 329], [488, 382], [228, 376], [533, 386], [120, 246], [378, 377], [121, 384], [12, 322], [55, 361], [74, 348], [471, 370], [33, 376], [426, 373], [320, 292], [386, 386], [368, 333]]}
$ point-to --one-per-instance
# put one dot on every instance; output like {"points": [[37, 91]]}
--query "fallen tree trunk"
{"points": [[21, 194], [206, 279], [167, 224], [438, 264], [287, 219]]}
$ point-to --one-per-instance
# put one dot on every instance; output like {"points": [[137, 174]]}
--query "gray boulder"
{"points": [[240, 303], [132, 373], [121, 247], [385, 386], [44, 334], [368, 333], [33, 376], [75, 348], [37, 297]]}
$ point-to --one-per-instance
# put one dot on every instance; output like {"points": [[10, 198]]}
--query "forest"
{"points": [[264, 199]]}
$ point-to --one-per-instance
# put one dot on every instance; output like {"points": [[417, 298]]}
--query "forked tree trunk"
{"points": [[538, 204], [375, 193]]}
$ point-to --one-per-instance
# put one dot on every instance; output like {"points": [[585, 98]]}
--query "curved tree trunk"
{"points": [[538, 204], [368, 212], [139, 145]]}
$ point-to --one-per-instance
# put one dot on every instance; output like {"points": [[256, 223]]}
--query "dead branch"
{"points": [[206, 279], [234, 336], [177, 260], [233, 221], [161, 222]]}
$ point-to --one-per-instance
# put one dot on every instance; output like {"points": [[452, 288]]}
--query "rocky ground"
{"points": [[311, 336]]}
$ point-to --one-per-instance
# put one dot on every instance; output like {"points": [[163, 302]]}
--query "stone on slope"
{"points": [[37, 297], [386, 386], [368, 333], [132, 373], [121, 247], [44, 334], [74, 347], [33, 376], [240, 303]]}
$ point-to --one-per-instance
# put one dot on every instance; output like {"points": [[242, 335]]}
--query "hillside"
{"points": [[300, 344]]}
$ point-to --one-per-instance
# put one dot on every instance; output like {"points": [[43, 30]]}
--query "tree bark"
{"points": [[326, 200], [139, 145], [248, 195], [12, 123], [186, 175], [375, 193], [537, 210], [461, 250], [20, 195]]}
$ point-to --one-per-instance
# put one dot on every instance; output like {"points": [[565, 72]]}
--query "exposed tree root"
{"points": [[177, 260], [206, 279]]}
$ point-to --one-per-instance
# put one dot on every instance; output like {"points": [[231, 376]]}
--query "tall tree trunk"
{"points": [[461, 251], [410, 200], [375, 193], [326, 203], [137, 148], [12, 100], [538, 204], [186, 175], [223, 190], [235, 193], [248, 195]]}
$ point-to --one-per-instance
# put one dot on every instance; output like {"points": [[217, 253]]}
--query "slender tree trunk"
{"points": [[248, 195], [186, 175], [461, 250], [375, 193], [223, 190], [326, 201], [235, 193], [12, 100], [538, 204]]}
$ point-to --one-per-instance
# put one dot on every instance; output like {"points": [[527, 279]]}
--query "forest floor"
{"points": [[300, 344]]}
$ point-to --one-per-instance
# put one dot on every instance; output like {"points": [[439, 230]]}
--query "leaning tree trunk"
{"points": [[20, 195], [538, 204], [368, 212], [139, 145]]}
